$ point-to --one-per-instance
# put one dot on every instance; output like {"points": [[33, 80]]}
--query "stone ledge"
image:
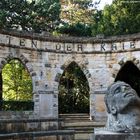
{"points": [[100, 91], [70, 39], [69, 134], [106, 135]]}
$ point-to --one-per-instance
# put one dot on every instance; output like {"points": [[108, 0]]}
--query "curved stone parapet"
{"points": [[46, 57]]}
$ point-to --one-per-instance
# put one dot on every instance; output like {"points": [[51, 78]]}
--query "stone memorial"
{"points": [[123, 114]]}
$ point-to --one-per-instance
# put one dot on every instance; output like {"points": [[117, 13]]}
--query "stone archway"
{"points": [[23, 59], [130, 74], [115, 68], [24, 62], [73, 90]]}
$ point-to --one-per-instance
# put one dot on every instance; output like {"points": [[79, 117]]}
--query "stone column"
{"points": [[97, 105], [92, 106], [47, 104]]}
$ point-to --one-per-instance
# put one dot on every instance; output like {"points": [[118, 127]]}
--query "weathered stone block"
{"points": [[48, 65], [57, 77], [103, 135]]}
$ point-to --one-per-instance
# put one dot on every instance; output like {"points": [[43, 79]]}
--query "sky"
{"points": [[103, 3]]}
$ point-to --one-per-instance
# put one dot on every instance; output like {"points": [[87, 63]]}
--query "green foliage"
{"points": [[122, 17], [73, 91], [76, 18], [76, 11], [17, 84], [17, 87], [78, 29], [37, 16], [47, 15], [17, 105], [72, 17]]}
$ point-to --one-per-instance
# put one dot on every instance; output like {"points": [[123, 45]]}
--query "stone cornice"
{"points": [[66, 39]]}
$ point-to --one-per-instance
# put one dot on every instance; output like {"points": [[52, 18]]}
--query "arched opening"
{"points": [[15, 87], [130, 74], [73, 91]]}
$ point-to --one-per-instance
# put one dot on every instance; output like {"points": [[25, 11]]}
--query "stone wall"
{"points": [[47, 57]]}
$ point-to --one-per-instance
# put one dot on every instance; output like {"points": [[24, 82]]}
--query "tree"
{"points": [[37, 16], [16, 87], [15, 14], [121, 17], [48, 12], [73, 91], [127, 17], [77, 29], [76, 17], [17, 84], [76, 11]]}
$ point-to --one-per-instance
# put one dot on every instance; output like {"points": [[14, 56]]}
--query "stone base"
{"points": [[107, 135]]}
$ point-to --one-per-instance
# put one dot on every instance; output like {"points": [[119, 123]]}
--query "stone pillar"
{"points": [[47, 104], [92, 106], [97, 105]]}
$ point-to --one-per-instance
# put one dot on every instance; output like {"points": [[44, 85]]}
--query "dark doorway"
{"points": [[73, 91], [130, 74]]}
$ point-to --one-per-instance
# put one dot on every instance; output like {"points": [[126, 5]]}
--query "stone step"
{"points": [[84, 124], [74, 116], [71, 118], [81, 124], [83, 131], [75, 120], [82, 136]]}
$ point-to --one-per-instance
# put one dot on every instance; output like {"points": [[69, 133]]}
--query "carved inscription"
{"points": [[69, 47]]}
